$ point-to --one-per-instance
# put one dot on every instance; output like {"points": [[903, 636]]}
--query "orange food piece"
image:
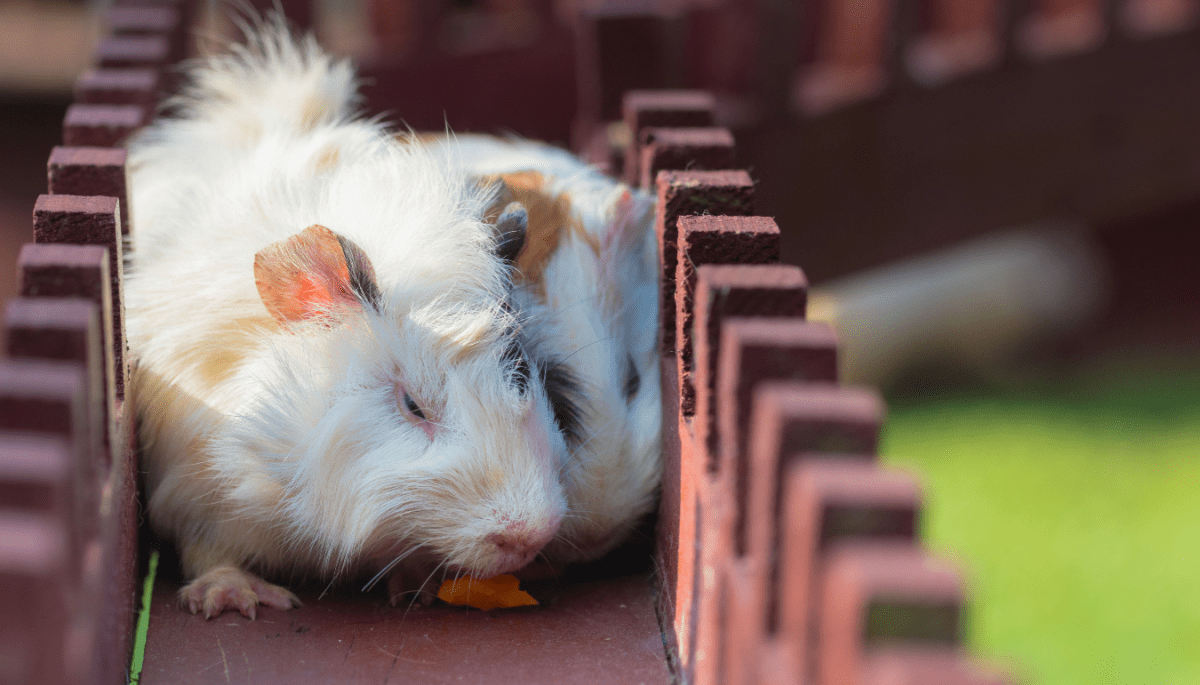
{"points": [[501, 592]]}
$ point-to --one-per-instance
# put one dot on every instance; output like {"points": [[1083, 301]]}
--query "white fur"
{"points": [[282, 449]]}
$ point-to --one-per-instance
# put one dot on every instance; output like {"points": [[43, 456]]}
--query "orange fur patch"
{"points": [[549, 218]]}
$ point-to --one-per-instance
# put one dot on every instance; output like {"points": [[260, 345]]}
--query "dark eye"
{"points": [[633, 380], [412, 407]]}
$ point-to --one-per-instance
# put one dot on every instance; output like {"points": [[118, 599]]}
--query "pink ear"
{"points": [[307, 275]]}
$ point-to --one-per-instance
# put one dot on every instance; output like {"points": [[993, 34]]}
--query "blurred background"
{"points": [[997, 204]]}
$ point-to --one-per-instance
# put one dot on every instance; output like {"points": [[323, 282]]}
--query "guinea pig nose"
{"points": [[520, 538]]}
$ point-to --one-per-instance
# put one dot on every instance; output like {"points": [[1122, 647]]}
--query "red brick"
{"points": [[712, 240], [90, 171], [51, 399], [37, 474], [664, 149], [681, 193], [67, 329], [790, 418], [122, 52], [851, 50], [36, 593], [758, 350], [126, 20], [916, 666], [89, 221], [957, 37], [65, 270], [875, 596], [741, 290], [823, 502], [101, 125], [661, 108], [139, 87]]}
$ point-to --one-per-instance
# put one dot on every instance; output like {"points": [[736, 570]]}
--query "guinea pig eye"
{"points": [[408, 403], [412, 407]]}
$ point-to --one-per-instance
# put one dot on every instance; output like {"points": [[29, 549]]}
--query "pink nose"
{"points": [[519, 539]]}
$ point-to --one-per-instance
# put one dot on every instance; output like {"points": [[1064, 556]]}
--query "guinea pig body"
{"points": [[335, 373]]}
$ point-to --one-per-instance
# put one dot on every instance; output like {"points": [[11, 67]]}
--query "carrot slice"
{"points": [[501, 592]]}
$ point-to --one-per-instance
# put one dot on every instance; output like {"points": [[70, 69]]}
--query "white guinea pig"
{"points": [[363, 354]]}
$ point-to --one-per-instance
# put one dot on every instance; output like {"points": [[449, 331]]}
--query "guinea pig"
{"points": [[358, 353]]}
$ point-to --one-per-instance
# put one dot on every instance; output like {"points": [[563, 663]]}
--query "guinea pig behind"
{"points": [[342, 366]]}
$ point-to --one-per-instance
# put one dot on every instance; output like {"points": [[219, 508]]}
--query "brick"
{"points": [[722, 589], [89, 221], [126, 20], [722, 291], [664, 149], [820, 503], [140, 87], [67, 329], [36, 474], [789, 418], [65, 270], [712, 240], [957, 37], [681, 193], [123, 52], [661, 108], [875, 596], [852, 47], [101, 125], [36, 586], [51, 399], [737, 650], [755, 351], [90, 171], [1062, 28], [899, 666]]}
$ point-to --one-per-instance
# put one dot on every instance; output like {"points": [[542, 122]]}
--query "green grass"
{"points": [[1075, 514], [143, 622]]}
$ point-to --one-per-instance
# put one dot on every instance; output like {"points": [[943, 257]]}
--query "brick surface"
{"points": [[36, 588], [742, 290], [755, 351], [821, 501], [957, 37], [876, 595], [681, 193], [67, 329], [90, 171], [852, 47], [661, 108], [89, 221], [737, 650], [139, 87], [683, 148], [36, 474], [100, 125], [900, 666], [117, 52], [51, 399], [791, 418], [712, 240]]}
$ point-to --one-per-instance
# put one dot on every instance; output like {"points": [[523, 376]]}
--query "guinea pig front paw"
{"points": [[401, 590], [229, 587]]}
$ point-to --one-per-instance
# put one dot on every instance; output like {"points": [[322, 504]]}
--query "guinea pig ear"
{"points": [[510, 231], [313, 272]]}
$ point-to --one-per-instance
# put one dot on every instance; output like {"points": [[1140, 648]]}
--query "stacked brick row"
{"points": [[68, 512], [788, 553], [816, 56]]}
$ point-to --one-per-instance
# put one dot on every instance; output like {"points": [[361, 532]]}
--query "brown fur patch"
{"points": [[549, 218], [313, 113], [328, 159], [214, 363]]}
